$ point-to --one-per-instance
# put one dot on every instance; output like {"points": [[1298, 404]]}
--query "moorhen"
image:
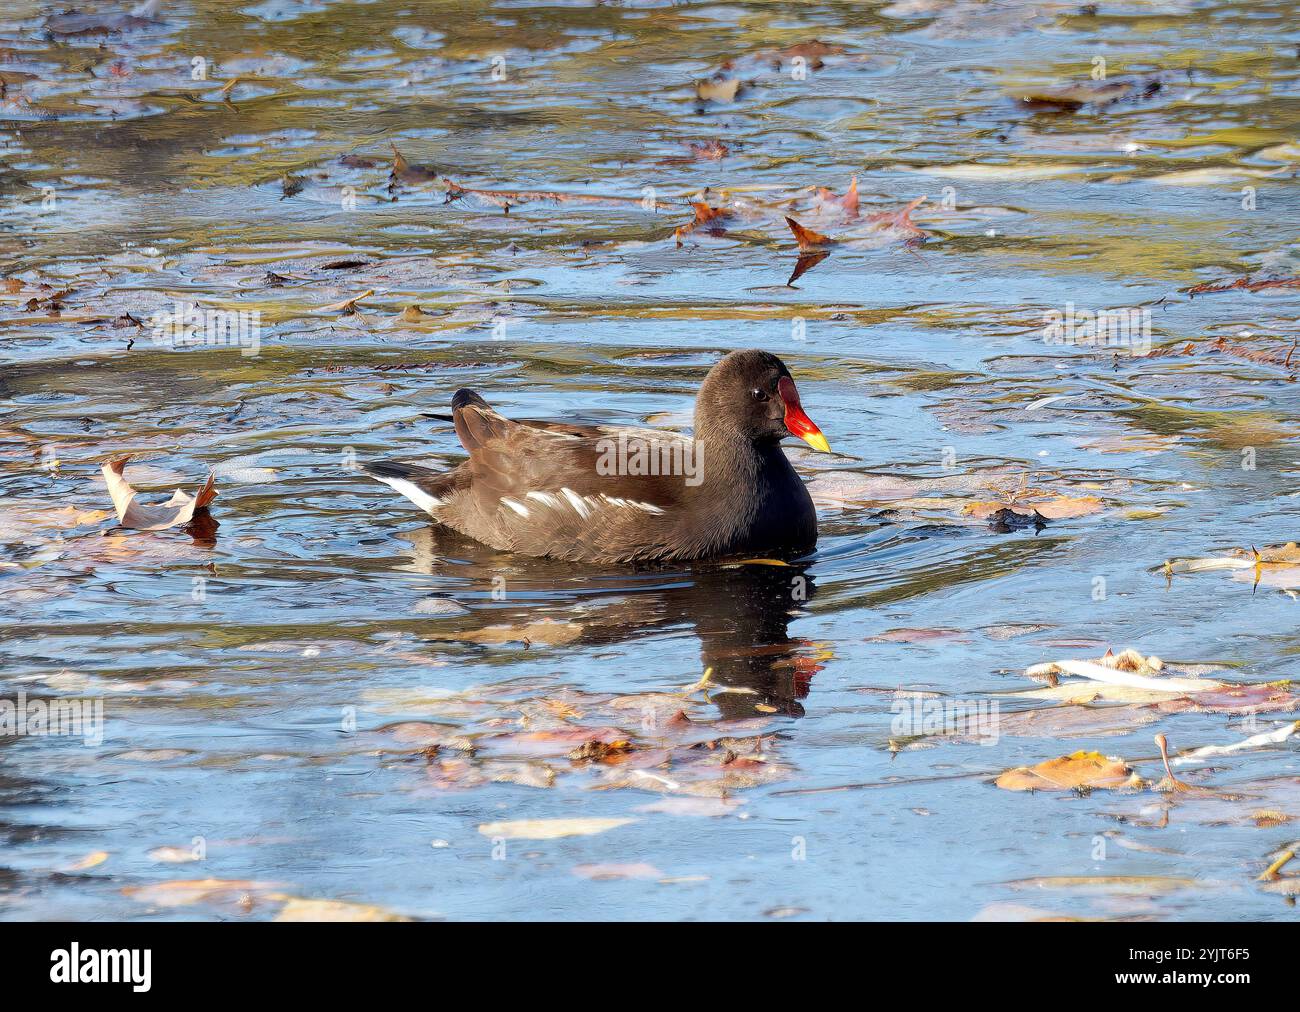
{"points": [[619, 494]]}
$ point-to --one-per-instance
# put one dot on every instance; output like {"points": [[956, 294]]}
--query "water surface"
{"points": [[264, 679]]}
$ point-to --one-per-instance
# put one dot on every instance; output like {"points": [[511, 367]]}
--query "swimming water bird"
{"points": [[619, 494]]}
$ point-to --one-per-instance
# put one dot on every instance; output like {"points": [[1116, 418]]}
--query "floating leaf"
{"points": [[1255, 741], [240, 892], [179, 509], [807, 238], [550, 829], [298, 909], [604, 872], [1082, 769], [91, 860], [719, 89]]}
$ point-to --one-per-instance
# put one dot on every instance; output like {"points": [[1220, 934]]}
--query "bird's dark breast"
{"points": [[783, 520]]}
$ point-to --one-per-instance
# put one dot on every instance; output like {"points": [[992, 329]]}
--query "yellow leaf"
{"points": [[89, 861]]}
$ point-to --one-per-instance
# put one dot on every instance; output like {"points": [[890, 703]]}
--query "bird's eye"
{"points": [[758, 395]]}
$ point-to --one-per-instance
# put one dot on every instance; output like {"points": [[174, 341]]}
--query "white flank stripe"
{"points": [[426, 502], [577, 502], [519, 508]]}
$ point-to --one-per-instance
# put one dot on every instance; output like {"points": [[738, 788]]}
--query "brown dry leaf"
{"points": [[704, 214], [298, 909], [807, 238], [1072, 97], [550, 829], [408, 173], [177, 510], [711, 150], [1082, 769]]}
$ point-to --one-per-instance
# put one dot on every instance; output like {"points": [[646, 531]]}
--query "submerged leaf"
{"points": [[298, 909]]}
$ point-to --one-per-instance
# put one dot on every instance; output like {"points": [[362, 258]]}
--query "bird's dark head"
{"points": [[751, 394]]}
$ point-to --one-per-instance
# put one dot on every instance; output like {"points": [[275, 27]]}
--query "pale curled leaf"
{"points": [[549, 829], [1274, 737], [177, 510]]}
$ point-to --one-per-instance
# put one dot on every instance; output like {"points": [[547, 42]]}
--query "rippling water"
{"points": [[292, 693]]}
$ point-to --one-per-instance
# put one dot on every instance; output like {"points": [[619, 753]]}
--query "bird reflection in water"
{"points": [[739, 611]]}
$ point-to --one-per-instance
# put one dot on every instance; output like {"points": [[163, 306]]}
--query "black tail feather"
{"points": [[396, 469]]}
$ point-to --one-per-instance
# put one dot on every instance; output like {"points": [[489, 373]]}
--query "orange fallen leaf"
{"points": [[703, 215], [900, 220], [849, 202], [807, 238], [1082, 769], [177, 510]]}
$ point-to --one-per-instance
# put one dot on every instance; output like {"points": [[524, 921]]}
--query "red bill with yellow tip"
{"points": [[796, 421]]}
